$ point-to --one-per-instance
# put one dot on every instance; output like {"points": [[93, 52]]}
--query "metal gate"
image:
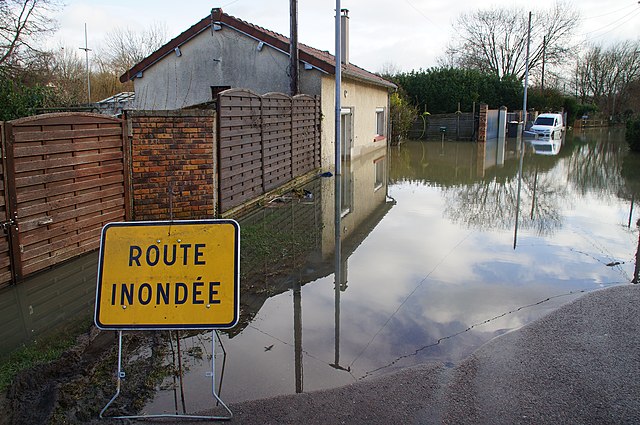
{"points": [[63, 179]]}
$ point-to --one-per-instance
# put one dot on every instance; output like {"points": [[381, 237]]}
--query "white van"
{"points": [[548, 126]]}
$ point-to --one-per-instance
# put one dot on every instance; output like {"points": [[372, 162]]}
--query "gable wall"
{"points": [[217, 58]]}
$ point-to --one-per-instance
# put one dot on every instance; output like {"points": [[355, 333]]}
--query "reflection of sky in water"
{"points": [[420, 277]]}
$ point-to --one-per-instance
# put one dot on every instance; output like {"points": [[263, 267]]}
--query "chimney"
{"points": [[344, 33]]}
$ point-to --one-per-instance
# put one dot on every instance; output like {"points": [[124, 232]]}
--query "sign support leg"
{"points": [[121, 375]]}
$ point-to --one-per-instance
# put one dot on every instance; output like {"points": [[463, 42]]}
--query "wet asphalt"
{"points": [[578, 365]]}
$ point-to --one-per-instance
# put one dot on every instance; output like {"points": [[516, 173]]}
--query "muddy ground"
{"points": [[75, 388]]}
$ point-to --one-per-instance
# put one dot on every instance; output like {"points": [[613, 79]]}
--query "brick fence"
{"points": [[172, 166]]}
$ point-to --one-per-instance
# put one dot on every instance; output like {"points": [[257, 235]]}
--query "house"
{"points": [[222, 52]]}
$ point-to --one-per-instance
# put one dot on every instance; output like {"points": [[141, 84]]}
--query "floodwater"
{"points": [[431, 265], [428, 272]]}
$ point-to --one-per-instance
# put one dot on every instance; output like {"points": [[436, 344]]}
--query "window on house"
{"points": [[379, 167], [380, 122]]}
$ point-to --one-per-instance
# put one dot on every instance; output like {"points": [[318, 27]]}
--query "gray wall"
{"points": [[217, 58]]}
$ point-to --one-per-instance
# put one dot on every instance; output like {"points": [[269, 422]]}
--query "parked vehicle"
{"points": [[548, 126]]}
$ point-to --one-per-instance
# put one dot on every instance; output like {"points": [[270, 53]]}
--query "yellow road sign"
{"points": [[169, 275]]}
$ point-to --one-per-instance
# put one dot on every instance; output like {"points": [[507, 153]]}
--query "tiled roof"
{"points": [[320, 59]]}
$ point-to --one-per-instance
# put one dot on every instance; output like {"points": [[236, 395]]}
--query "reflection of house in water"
{"points": [[364, 193], [290, 242]]}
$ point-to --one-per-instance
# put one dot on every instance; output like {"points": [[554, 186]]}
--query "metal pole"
{"points": [[338, 106], [631, 210], [86, 53], [524, 120], [338, 184], [544, 54]]}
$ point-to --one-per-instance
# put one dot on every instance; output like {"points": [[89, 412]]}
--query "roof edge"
{"points": [[219, 17], [167, 48]]}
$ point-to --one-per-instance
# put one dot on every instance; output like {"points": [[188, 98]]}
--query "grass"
{"points": [[41, 351]]}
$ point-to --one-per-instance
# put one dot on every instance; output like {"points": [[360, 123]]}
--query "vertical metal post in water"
{"points": [[524, 124], [338, 180]]}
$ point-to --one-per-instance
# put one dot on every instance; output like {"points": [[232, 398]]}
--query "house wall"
{"points": [[230, 58], [363, 99], [217, 58]]}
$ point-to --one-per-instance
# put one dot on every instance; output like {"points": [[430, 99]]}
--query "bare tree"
{"points": [[125, 47], [389, 70], [495, 40], [121, 50], [605, 76], [67, 74], [21, 22]]}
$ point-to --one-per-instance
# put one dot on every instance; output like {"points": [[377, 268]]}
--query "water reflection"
{"points": [[46, 301], [287, 245], [480, 183], [426, 270]]}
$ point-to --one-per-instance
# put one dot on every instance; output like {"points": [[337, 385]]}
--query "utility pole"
{"points": [[293, 47], [544, 54], [86, 52]]}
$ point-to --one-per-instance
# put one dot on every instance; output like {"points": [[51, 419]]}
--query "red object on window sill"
{"points": [[379, 138]]}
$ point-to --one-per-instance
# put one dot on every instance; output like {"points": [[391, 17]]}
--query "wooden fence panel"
{"points": [[239, 147], [276, 140], [306, 119], [67, 172], [5, 256], [264, 142]]}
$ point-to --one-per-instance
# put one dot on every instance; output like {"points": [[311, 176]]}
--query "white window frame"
{"points": [[381, 122]]}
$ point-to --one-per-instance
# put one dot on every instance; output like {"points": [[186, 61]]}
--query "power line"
{"points": [[615, 24], [608, 13], [423, 15]]}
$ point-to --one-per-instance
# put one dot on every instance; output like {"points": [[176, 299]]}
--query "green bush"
{"points": [[18, 100], [402, 116], [443, 90]]}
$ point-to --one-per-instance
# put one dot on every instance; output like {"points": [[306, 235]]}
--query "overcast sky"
{"points": [[409, 34]]}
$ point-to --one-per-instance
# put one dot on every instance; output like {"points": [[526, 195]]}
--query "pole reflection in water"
{"points": [[636, 272], [631, 210], [297, 335], [535, 187], [515, 231], [337, 268]]}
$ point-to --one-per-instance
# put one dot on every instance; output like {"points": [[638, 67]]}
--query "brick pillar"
{"points": [[172, 164], [482, 123]]}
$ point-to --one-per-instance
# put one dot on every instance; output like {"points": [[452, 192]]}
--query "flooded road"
{"points": [[429, 271]]}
